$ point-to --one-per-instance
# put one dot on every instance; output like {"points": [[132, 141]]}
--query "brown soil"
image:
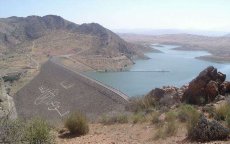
{"points": [[127, 134]]}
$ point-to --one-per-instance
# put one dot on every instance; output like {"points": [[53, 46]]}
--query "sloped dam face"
{"points": [[57, 91]]}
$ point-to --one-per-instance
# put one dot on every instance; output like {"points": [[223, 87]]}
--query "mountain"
{"points": [[18, 30], [14, 30], [52, 35]]}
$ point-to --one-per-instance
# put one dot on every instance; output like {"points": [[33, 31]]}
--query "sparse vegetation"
{"points": [[37, 131], [167, 130], [171, 116], [187, 112], [11, 131], [222, 112], [77, 124], [138, 118], [106, 120], [168, 127], [138, 104], [155, 117]]}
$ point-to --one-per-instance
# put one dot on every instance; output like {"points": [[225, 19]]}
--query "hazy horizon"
{"points": [[205, 15]]}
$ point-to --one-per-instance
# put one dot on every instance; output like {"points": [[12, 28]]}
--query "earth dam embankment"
{"points": [[57, 91]]}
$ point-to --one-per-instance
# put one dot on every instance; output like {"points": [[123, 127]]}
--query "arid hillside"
{"points": [[52, 35]]}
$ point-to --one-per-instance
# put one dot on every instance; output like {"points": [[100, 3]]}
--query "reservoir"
{"points": [[168, 68]]}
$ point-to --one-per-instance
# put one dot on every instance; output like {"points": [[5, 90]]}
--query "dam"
{"points": [[59, 90]]}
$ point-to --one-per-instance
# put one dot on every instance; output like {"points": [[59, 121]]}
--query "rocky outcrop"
{"points": [[205, 87], [225, 87], [167, 96], [208, 131], [208, 86]]}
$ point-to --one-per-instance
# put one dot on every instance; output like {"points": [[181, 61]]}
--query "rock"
{"points": [[211, 90], [166, 96], [220, 98], [157, 94], [225, 87], [162, 117], [208, 131], [205, 87]]}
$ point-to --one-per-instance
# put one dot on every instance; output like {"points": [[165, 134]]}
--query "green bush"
{"points": [[77, 124], [222, 111], [106, 120], [37, 131]]}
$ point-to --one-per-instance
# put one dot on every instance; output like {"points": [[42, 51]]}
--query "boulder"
{"points": [[157, 94], [208, 131], [225, 87], [211, 90], [166, 96], [205, 87]]}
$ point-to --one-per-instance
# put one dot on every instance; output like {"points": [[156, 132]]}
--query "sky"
{"points": [[211, 15]]}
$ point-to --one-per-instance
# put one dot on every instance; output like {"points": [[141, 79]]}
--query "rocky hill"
{"points": [[52, 35], [53, 31]]}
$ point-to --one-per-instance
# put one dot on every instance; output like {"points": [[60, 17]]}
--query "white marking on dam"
{"points": [[47, 97], [66, 84]]}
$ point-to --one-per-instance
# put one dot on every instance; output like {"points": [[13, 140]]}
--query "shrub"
{"points": [[168, 130], [228, 120], [187, 112], [11, 131], [77, 124], [155, 117], [207, 131], [37, 131], [210, 110], [114, 119], [171, 128], [138, 117], [170, 116], [222, 111], [141, 104], [160, 134]]}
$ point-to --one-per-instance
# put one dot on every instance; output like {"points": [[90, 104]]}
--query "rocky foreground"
{"points": [[208, 87], [170, 115]]}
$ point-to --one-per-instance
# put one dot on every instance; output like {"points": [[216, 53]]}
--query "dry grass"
{"points": [[117, 119], [222, 112], [77, 124]]}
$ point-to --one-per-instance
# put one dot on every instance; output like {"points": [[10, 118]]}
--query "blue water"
{"points": [[171, 67]]}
